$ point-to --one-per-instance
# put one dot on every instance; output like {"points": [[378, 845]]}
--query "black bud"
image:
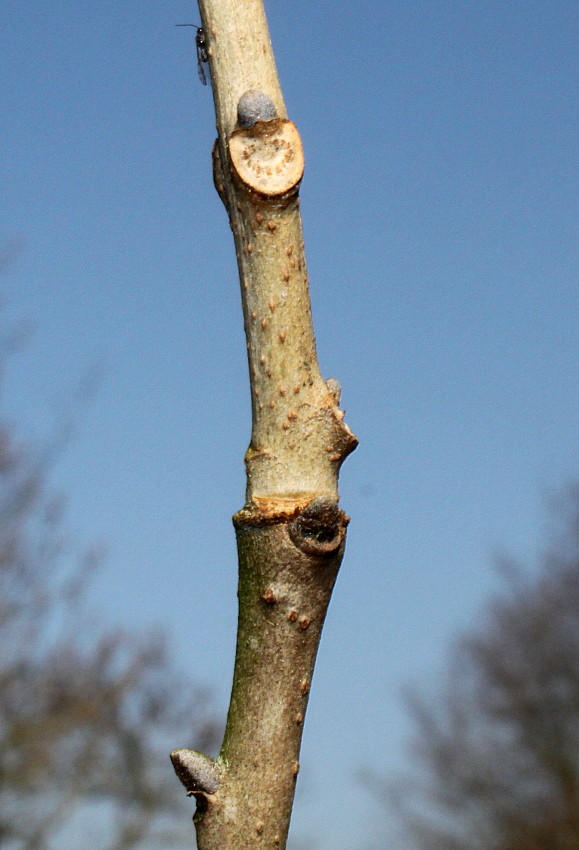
{"points": [[319, 528]]}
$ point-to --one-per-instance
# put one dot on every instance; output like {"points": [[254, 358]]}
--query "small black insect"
{"points": [[202, 55]]}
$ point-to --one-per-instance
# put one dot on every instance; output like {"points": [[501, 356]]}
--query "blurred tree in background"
{"points": [[496, 753], [87, 716]]}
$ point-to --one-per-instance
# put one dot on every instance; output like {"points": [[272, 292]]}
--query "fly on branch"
{"points": [[201, 45]]}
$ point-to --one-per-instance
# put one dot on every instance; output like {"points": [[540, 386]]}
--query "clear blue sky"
{"points": [[440, 211]]}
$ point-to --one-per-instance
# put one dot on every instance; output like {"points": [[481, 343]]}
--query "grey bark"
{"points": [[291, 531]]}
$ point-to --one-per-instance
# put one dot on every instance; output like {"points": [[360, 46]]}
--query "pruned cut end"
{"points": [[268, 157]]}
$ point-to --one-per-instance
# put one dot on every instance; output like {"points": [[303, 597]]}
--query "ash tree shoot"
{"points": [[291, 531]]}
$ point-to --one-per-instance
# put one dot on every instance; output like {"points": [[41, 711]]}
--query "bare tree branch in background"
{"points": [[86, 714], [497, 752]]}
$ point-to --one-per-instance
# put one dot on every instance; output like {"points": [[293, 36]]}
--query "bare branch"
{"points": [[291, 531]]}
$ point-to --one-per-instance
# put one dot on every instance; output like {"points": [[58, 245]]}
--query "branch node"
{"points": [[320, 528], [200, 774], [253, 106], [334, 389]]}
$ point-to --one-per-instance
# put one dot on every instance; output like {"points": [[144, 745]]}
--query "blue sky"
{"points": [[440, 213]]}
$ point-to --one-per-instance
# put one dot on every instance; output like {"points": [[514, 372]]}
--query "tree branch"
{"points": [[291, 532]]}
